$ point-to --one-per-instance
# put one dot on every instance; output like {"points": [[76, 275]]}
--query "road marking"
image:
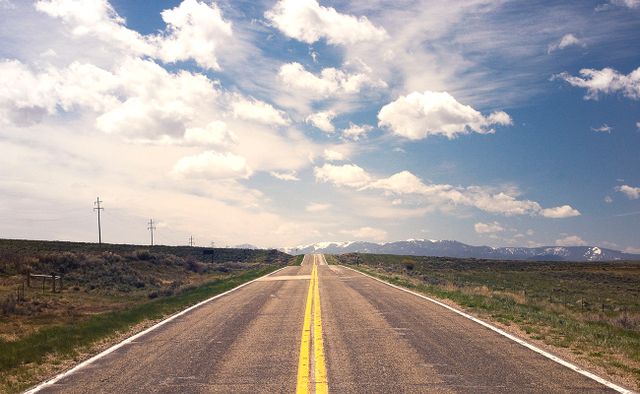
{"points": [[522, 342], [303, 361], [312, 320], [117, 346], [285, 277], [322, 386]]}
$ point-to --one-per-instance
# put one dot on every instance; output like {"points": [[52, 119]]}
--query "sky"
{"points": [[289, 122]]}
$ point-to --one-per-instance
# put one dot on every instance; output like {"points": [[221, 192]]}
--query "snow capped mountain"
{"points": [[446, 248]]}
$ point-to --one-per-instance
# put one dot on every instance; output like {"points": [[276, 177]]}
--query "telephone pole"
{"points": [[191, 241], [98, 208], [151, 227]]}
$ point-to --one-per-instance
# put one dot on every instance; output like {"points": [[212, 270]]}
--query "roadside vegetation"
{"points": [[107, 291], [591, 309]]}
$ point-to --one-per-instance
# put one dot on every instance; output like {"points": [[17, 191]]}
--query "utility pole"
{"points": [[151, 227], [98, 208], [191, 241]]}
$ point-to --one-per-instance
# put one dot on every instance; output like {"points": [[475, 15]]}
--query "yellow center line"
{"points": [[318, 345], [313, 305], [303, 361]]}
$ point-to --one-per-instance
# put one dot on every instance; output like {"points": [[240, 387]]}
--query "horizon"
{"points": [[292, 121]]}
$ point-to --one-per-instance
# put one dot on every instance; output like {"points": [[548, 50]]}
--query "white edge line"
{"points": [[117, 346], [506, 334]]}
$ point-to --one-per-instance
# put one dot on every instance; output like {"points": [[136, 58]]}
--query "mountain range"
{"points": [[427, 247]]}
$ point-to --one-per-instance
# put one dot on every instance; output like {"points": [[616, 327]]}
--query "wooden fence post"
{"points": [[53, 283], [28, 278]]}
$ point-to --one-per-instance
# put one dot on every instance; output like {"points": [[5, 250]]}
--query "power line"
{"points": [[151, 228], [98, 208], [191, 241]]}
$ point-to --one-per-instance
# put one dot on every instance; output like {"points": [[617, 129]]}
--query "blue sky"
{"points": [[281, 123]]}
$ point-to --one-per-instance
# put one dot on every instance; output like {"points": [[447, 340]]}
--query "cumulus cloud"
{"points": [[215, 133], [212, 165], [603, 129], [332, 155], [566, 41], [96, 18], [259, 111], [157, 102], [633, 193], [571, 240], [329, 82], [446, 197], [194, 29], [419, 115], [322, 120], [605, 81], [317, 207], [285, 175], [356, 132], [488, 228], [368, 233], [342, 175], [638, 126], [562, 212], [308, 21]]}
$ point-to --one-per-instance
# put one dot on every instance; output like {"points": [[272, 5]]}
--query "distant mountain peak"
{"points": [[452, 248]]}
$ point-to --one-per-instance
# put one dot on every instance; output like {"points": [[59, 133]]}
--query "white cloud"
{"points": [[633, 193], [605, 81], [212, 165], [355, 132], [331, 81], [608, 199], [194, 31], [308, 21], [488, 228], [214, 134], [566, 41], [157, 103], [322, 120], [285, 175], [26, 95], [343, 175], [96, 18], [603, 129], [447, 197], [418, 115], [638, 126], [258, 111], [564, 211], [317, 207], [332, 155], [571, 240], [367, 233]]}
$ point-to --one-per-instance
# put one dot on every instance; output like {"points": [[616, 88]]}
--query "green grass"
{"points": [[64, 341], [298, 259], [592, 309]]}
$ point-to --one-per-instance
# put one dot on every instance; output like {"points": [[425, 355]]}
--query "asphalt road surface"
{"points": [[362, 337]]}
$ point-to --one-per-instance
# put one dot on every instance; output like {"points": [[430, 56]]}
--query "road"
{"points": [[362, 337]]}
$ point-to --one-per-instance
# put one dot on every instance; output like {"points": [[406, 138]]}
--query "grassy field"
{"points": [[107, 290], [591, 310]]}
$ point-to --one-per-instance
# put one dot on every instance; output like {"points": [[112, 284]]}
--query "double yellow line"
{"points": [[320, 372]]}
